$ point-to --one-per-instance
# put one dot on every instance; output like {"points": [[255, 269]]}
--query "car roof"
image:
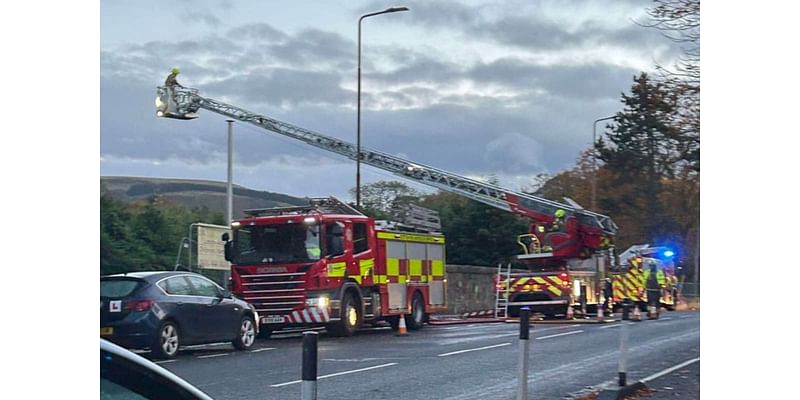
{"points": [[149, 276], [118, 351]]}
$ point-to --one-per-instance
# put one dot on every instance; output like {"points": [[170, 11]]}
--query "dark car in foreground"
{"points": [[164, 310], [124, 376]]}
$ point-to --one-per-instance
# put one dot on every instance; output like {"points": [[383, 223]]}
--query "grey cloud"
{"points": [[280, 86], [574, 81], [256, 32], [316, 46], [207, 18]]}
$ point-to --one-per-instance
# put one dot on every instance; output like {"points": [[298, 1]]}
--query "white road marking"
{"points": [[213, 355], [165, 361], [668, 370], [559, 334], [475, 349], [262, 349], [610, 326], [337, 374], [664, 319]]}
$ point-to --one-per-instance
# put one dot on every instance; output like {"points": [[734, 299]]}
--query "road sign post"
{"points": [[524, 348], [622, 368], [308, 388]]}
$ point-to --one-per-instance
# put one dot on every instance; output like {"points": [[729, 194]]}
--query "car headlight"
{"points": [[319, 302]]}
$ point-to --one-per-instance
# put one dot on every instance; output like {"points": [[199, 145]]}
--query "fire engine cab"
{"points": [[327, 264]]}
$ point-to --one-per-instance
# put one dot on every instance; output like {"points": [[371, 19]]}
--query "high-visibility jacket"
{"points": [[660, 277]]}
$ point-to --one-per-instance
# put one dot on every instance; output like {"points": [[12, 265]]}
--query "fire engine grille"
{"points": [[274, 294]]}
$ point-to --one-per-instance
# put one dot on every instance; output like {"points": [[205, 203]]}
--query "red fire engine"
{"points": [[559, 268], [327, 264]]}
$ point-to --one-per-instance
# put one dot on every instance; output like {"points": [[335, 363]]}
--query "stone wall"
{"points": [[470, 288]]}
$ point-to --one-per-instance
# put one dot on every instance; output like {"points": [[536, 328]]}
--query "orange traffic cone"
{"points": [[570, 312], [401, 327]]}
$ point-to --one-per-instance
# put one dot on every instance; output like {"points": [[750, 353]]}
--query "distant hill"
{"points": [[194, 193]]}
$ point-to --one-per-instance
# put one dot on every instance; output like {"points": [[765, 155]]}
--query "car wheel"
{"points": [[247, 334], [417, 317], [167, 341]]}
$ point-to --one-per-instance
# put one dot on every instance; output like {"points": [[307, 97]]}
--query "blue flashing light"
{"points": [[669, 253]]}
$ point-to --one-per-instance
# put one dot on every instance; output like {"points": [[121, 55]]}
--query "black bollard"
{"points": [[524, 348], [308, 388], [622, 368]]}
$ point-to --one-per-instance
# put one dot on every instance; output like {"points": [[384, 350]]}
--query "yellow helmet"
{"points": [[560, 213], [176, 71]]}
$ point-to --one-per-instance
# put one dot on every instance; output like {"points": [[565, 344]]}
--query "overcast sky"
{"points": [[480, 88]]}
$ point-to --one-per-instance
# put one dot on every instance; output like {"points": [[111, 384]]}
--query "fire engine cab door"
{"points": [[362, 265]]}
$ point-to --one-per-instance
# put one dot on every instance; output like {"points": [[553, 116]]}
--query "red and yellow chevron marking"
{"points": [[628, 285], [550, 283]]}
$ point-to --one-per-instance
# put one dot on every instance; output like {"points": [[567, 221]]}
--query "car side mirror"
{"points": [[226, 237], [226, 294]]}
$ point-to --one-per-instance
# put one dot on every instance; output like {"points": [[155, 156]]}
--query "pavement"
{"points": [[683, 383]]}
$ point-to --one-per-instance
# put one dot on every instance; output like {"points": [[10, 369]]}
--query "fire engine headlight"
{"points": [[319, 302]]}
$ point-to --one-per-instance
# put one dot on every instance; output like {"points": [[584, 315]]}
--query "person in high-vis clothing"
{"points": [[655, 280], [170, 83], [558, 223]]}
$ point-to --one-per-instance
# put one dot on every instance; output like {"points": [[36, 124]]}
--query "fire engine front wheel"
{"points": [[350, 318]]}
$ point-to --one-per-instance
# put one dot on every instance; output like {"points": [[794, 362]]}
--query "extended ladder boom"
{"points": [[188, 102]]}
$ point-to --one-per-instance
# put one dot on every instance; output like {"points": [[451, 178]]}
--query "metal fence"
{"points": [[690, 290]]}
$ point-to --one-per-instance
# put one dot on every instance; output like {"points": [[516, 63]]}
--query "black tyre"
{"points": [[350, 318], [167, 341], [416, 319], [247, 334], [264, 333], [394, 322]]}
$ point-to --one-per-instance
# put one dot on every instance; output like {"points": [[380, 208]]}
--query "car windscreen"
{"points": [[117, 288], [259, 244]]}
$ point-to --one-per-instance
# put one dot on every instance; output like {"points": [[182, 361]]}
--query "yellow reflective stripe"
{"points": [[521, 281], [337, 269], [405, 237], [401, 279], [357, 278], [437, 268], [415, 267], [366, 267], [380, 279], [540, 281], [392, 266], [367, 263], [556, 291]]}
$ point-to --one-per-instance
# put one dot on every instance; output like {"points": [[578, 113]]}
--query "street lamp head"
{"points": [[396, 9]]}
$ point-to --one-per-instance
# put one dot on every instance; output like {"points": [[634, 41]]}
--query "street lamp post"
{"points": [[597, 287], [358, 122], [230, 172], [594, 162]]}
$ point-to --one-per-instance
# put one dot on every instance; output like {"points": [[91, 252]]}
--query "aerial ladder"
{"points": [[584, 233]]}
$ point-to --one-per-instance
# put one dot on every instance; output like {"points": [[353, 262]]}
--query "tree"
{"points": [[379, 198], [679, 21], [476, 234]]}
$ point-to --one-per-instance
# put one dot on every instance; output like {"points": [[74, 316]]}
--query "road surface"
{"points": [[472, 361]]}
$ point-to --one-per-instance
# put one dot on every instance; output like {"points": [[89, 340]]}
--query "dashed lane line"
{"points": [[165, 361], [475, 349], [559, 334], [214, 355], [262, 349], [338, 374]]}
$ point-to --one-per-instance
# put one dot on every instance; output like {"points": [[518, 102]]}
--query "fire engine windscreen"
{"points": [[265, 244]]}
